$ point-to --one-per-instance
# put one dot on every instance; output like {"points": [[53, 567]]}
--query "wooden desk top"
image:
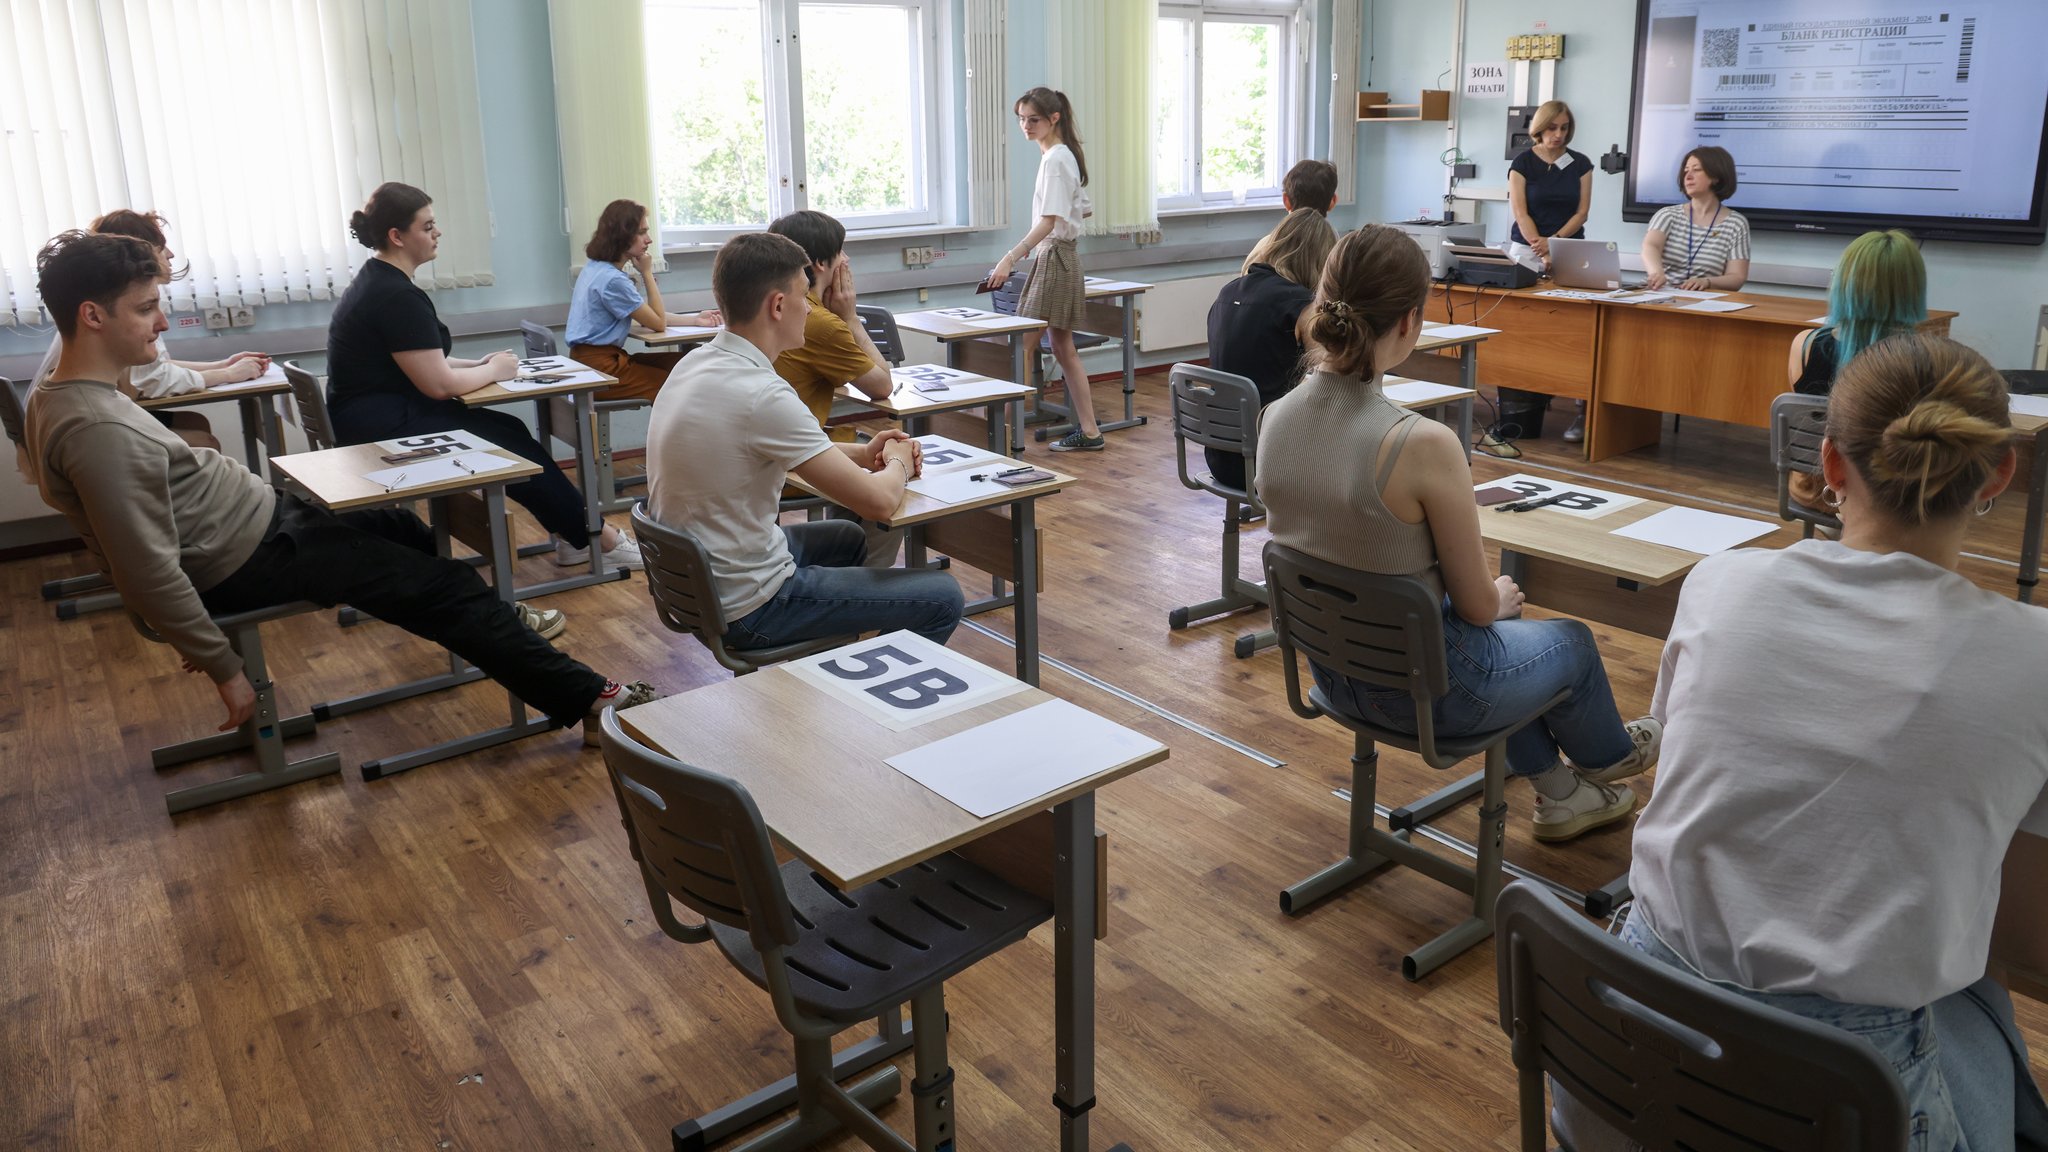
{"points": [[1095, 289], [821, 784], [582, 379], [675, 336], [1762, 308], [908, 401], [918, 508], [334, 476], [1439, 394], [261, 386], [2026, 424], [1430, 343], [1591, 544], [935, 322]]}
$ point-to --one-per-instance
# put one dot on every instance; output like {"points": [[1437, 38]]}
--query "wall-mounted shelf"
{"points": [[1435, 104]]}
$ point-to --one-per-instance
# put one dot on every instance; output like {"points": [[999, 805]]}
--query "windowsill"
{"points": [[1273, 205], [895, 232]]}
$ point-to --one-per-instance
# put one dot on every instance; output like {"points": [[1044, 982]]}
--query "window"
{"points": [[751, 122], [1230, 103]]}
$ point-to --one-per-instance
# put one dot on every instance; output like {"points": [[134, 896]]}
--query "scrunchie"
{"points": [[1339, 312]]}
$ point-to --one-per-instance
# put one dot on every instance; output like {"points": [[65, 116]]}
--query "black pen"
{"points": [[1528, 505], [1000, 475]]}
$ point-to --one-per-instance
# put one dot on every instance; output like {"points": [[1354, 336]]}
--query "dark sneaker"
{"points": [[1075, 441]]}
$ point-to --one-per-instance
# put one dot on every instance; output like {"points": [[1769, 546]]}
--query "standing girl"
{"points": [[1053, 293]]}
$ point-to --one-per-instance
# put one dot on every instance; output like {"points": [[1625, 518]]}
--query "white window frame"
{"points": [[782, 93], [1292, 132]]}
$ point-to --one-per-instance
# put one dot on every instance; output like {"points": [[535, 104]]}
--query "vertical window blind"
{"points": [[254, 126], [1100, 53]]}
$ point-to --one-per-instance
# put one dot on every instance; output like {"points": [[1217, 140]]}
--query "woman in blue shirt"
{"points": [[1550, 187], [606, 301]]}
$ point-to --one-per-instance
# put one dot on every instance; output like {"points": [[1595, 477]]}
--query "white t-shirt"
{"points": [[1060, 193], [725, 432], [1851, 740]]}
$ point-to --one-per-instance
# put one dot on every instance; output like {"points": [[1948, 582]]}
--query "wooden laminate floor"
{"points": [[461, 957]]}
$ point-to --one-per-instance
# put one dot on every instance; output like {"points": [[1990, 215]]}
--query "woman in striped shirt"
{"points": [[1701, 245]]}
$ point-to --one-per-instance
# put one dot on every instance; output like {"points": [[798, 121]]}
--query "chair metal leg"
{"points": [[932, 1089], [1237, 593], [1487, 879], [1359, 860], [1436, 803], [68, 586], [714, 1126], [74, 607]]}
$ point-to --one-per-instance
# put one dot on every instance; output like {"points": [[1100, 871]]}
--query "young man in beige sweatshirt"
{"points": [[185, 532]]}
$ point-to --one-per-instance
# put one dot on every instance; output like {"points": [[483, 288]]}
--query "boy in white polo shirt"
{"points": [[725, 433]]}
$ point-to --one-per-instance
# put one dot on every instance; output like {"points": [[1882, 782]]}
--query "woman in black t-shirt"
{"points": [[389, 373], [1251, 325], [1550, 187]]}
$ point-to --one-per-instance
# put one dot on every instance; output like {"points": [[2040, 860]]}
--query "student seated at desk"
{"points": [[606, 303], [1252, 323], [725, 435], [1701, 245], [1349, 477], [165, 376], [1878, 290], [389, 373], [837, 348], [1856, 749], [1310, 184], [184, 533]]}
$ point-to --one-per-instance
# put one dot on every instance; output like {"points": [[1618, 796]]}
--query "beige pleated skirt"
{"points": [[1054, 292]]}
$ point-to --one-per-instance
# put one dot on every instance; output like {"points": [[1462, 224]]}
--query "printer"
{"points": [[1431, 235]]}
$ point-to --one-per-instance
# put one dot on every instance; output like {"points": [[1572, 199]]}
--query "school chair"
{"points": [[74, 594], [880, 324], [686, 598], [541, 342], [1655, 1055], [309, 401], [264, 733], [1798, 424], [1220, 410], [1388, 631], [828, 959]]}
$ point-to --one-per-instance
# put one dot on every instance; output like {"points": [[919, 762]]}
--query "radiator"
{"points": [[1175, 313]]}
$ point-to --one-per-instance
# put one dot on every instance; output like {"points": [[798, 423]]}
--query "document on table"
{"points": [[273, 377], [901, 680], [958, 385], [690, 331], [1691, 530], [439, 470], [996, 766], [959, 485], [562, 368], [1687, 292], [2028, 405], [1457, 331], [1419, 393], [1569, 294], [1713, 306], [1638, 297]]}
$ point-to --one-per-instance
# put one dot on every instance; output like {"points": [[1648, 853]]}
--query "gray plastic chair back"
{"points": [[1006, 298], [686, 597], [1383, 630], [1669, 1060], [880, 324], [1217, 410], [1798, 424], [700, 839], [14, 409], [311, 403], [539, 341]]}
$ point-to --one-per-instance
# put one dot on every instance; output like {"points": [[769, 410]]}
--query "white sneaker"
{"points": [[1647, 735], [626, 555], [565, 556], [548, 622], [1588, 807]]}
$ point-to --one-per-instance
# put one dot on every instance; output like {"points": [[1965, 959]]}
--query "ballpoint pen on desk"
{"points": [[1527, 505], [1005, 472]]}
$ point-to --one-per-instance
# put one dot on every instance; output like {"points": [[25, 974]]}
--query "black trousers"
{"points": [[383, 562], [552, 499]]}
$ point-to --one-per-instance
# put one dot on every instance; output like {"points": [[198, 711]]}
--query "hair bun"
{"points": [[359, 227]]}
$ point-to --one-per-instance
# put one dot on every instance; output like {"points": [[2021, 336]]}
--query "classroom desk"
{"points": [[826, 795], [256, 399], [1101, 317], [334, 478], [1438, 399], [675, 336], [1466, 345], [2033, 431], [1633, 362], [578, 393], [1007, 547], [915, 409], [966, 350]]}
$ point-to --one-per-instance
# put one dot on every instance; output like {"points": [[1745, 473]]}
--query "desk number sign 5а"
{"points": [[902, 680]]}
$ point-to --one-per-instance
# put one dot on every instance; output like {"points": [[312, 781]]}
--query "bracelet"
{"points": [[906, 467]]}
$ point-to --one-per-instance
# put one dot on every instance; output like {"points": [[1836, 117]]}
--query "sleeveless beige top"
{"points": [[1324, 458]]}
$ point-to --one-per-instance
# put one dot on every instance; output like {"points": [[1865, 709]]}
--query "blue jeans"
{"points": [[1499, 672], [830, 594], [1967, 1041]]}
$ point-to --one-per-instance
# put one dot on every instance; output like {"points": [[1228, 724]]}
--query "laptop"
{"points": [[1591, 264]]}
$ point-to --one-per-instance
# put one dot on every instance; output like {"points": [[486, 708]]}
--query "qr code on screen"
{"points": [[1717, 47]]}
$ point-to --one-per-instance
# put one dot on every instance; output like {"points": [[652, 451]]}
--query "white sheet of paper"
{"points": [[1818, 320], [1689, 293], [437, 470], [1581, 501], [1015, 759], [928, 373], [1458, 331], [1417, 393], [943, 455], [1569, 294], [901, 680], [956, 486], [1713, 306], [1638, 297], [687, 330], [2029, 405], [274, 376], [999, 321], [963, 315], [1691, 530]]}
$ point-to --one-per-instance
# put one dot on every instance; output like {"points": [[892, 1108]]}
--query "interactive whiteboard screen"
{"points": [[1846, 115]]}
